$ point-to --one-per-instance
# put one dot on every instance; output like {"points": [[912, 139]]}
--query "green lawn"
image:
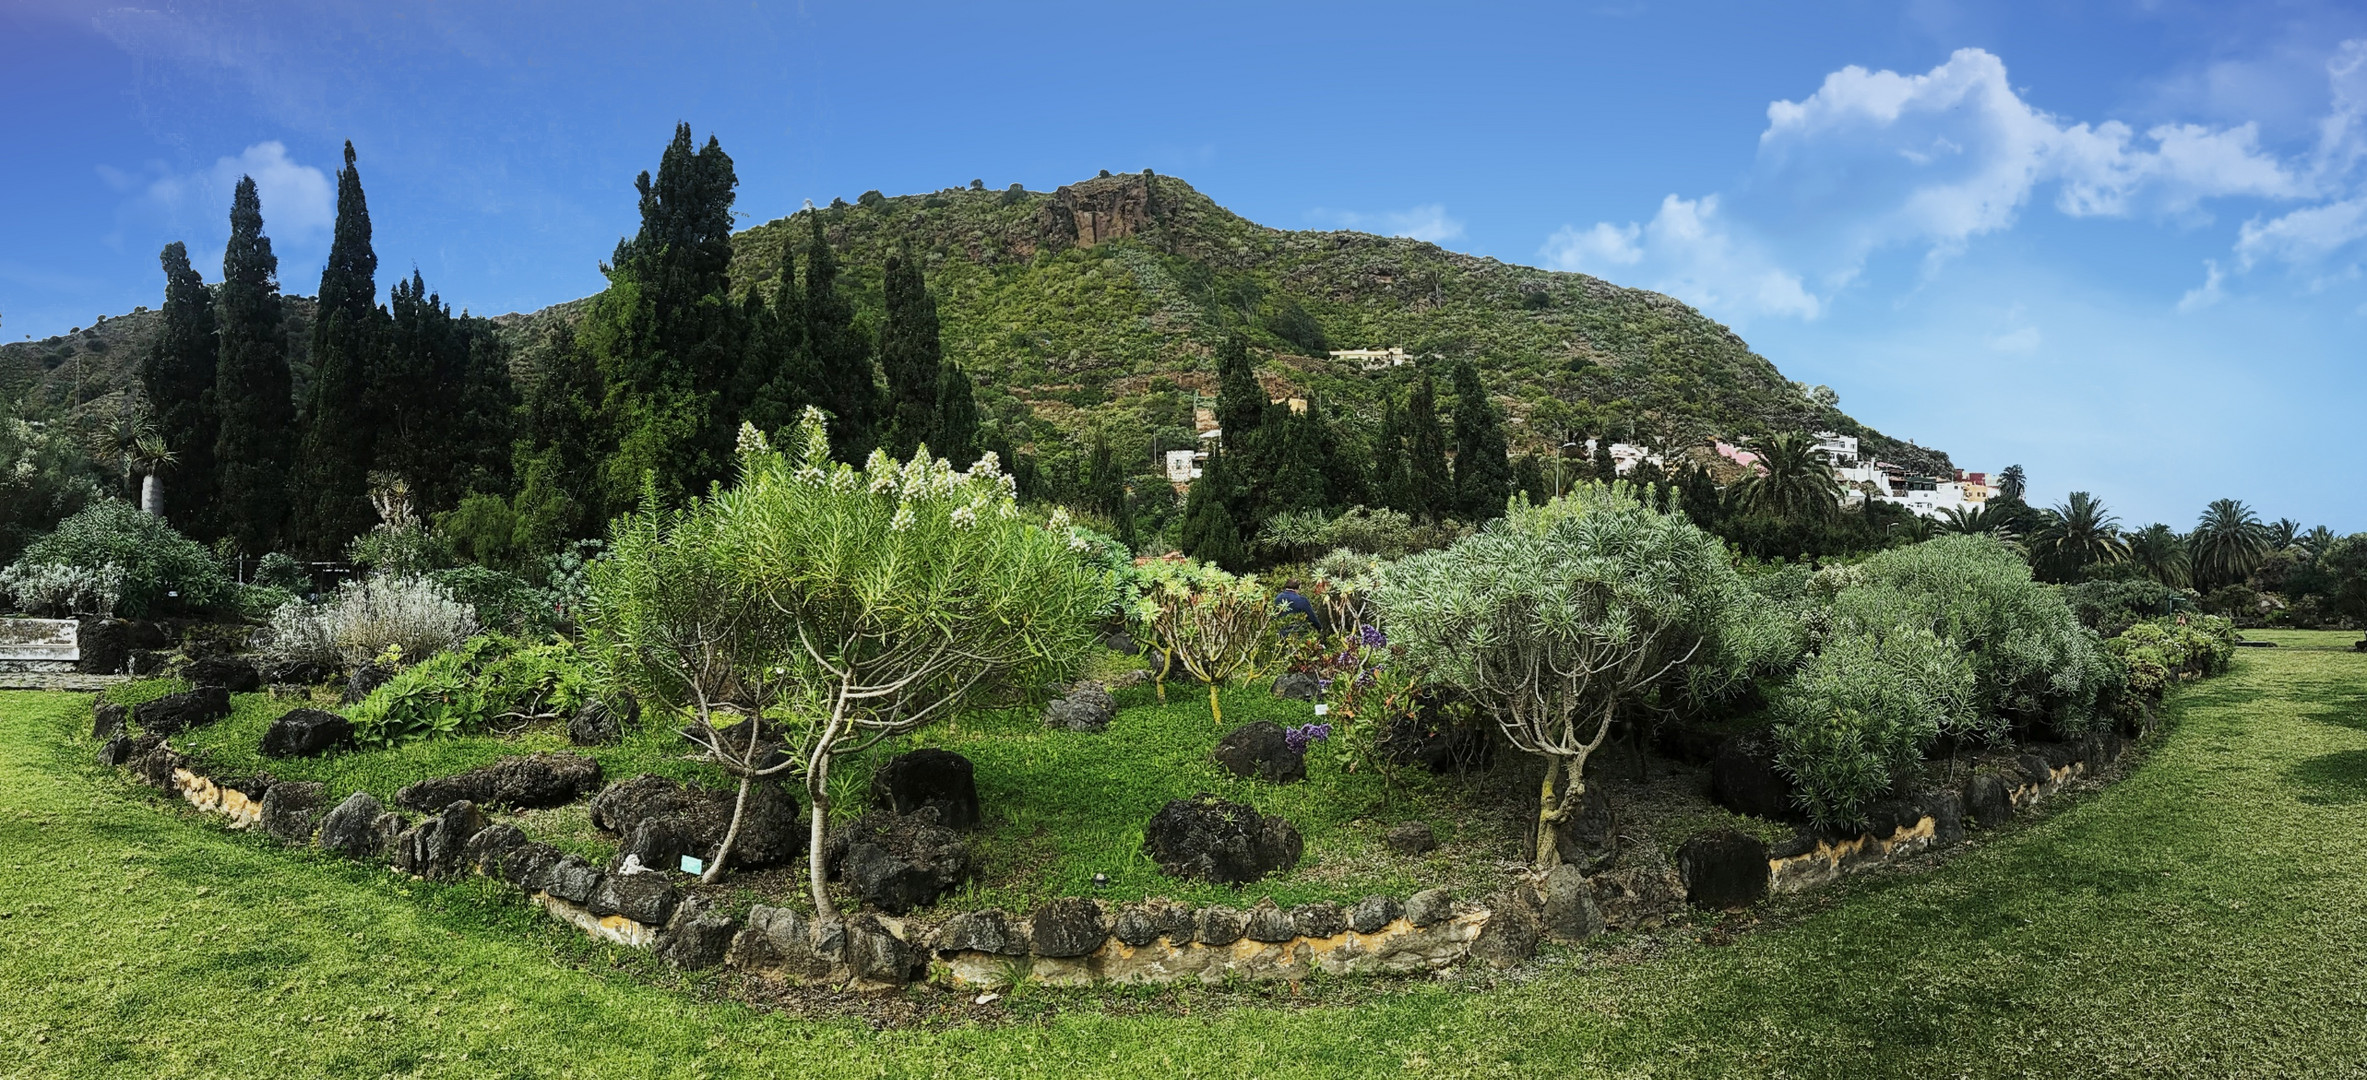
{"points": [[2205, 917]]}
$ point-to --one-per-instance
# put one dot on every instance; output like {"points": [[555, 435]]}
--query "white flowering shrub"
{"points": [[408, 617], [56, 589]]}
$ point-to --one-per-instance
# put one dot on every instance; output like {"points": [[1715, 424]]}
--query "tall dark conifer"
{"points": [[332, 475], [666, 334], [1393, 479], [1430, 487], [1483, 469], [909, 354], [776, 374], [956, 437], [251, 383], [843, 382], [1240, 400], [178, 374], [557, 454], [1209, 532]]}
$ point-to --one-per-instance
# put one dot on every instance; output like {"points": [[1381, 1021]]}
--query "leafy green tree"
{"points": [[332, 480], [837, 606], [1483, 467], [2226, 544], [1794, 481], [666, 334], [909, 354], [251, 383], [1431, 487], [1559, 619], [1209, 621], [844, 384], [2077, 532], [178, 375]]}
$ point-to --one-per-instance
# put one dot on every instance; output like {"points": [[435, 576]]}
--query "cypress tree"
{"points": [[1345, 482], [1393, 479], [1105, 485], [1603, 466], [909, 354], [775, 375], [1483, 469], [332, 480], [843, 382], [411, 395], [178, 374], [251, 383], [556, 457], [666, 333], [1209, 533], [1430, 487], [1529, 478], [957, 418], [1240, 401]]}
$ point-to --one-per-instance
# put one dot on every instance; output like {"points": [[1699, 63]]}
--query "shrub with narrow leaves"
{"points": [[154, 561]]}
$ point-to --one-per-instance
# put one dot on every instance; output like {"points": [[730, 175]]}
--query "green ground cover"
{"points": [[2207, 917], [1059, 806]]}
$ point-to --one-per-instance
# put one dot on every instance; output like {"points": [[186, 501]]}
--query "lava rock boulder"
{"points": [[176, 713], [1297, 686], [1259, 751], [306, 733], [940, 780], [527, 782], [1206, 838], [236, 674], [1070, 926], [289, 810], [357, 828], [603, 720], [659, 820], [1087, 709], [1744, 779], [365, 680], [899, 862]]}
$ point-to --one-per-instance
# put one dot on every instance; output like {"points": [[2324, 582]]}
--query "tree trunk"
{"points": [[1550, 811], [152, 495], [1215, 709], [817, 793], [731, 834]]}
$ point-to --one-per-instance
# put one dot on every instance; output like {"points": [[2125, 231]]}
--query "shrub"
{"points": [[1559, 619], [54, 589], [411, 618], [2033, 663], [502, 601], [2109, 607], [486, 681], [280, 570], [1197, 615], [2159, 652], [1862, 712], [155, 561]]}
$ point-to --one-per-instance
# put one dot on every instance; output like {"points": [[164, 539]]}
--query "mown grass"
{"points": [[1060, 807], [2205, 917]]}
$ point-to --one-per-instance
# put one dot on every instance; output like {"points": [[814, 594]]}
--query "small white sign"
{"points": [[692, 864], [1322, 709]]}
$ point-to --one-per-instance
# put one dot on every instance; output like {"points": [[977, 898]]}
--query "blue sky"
{"points": [[2116, 242]]}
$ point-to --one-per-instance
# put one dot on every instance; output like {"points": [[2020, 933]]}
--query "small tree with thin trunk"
{"points": [[1199, 616], [815, 609], [1557, 619]]}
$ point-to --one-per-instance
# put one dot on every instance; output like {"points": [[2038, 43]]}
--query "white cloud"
{"points": [[1876, 160], [1687, 250], [2207, 293], [299, 201], [1428, 221]]}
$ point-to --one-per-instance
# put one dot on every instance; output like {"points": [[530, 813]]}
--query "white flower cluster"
{"points": [[966, 517], [903, 519], [753, 441]]}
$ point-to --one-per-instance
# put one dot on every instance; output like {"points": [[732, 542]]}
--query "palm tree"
{"points": [[2282, 533], [2079, 532], [2227, 543], [1795, 483], [2161, 553], [2012, 483], [1977, 519], [118, 438], [2315, 541]]}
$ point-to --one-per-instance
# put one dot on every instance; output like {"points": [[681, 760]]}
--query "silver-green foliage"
{"points": [[1862, 712], [1557, 618], [841, 605]]}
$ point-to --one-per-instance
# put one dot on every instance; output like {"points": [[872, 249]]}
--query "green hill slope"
{"points": [[1094, 308]]}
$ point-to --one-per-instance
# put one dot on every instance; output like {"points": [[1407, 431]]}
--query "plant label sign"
{"points": [[692, 864], [40, 639]]}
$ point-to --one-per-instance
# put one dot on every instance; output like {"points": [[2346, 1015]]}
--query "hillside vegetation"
{"points": [[1095, 309]]}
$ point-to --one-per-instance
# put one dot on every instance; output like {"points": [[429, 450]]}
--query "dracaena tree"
{"points": [[1560, 619], [815, 609], [1196, 615]]}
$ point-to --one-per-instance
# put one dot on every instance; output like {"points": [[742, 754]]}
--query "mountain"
{"points": [[1094, 309]]}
